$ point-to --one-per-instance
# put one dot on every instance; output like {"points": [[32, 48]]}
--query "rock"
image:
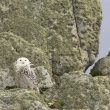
{"points": [[43, 77], [11, 48], [6, 80], [21, 99], [59, 37], [80, 92], [102, 67], [66, 30], [88, 21]]}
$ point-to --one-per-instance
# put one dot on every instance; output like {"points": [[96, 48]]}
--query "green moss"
{"points": [[20, 98], [13, 47], [96, 73], [49, 34], [51, 25]]}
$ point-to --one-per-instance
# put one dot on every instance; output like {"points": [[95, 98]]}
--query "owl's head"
{"points": [[22, 62]]}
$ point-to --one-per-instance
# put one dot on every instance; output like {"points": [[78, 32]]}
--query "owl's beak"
{"points": [[22, 62]]}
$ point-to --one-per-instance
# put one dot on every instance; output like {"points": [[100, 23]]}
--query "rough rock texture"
{"points": [[102, 67], [43, 78], [6, 80], [66, 30], [87, 15], [80, 92], [12, 47], [19, 99], [57, 36]]}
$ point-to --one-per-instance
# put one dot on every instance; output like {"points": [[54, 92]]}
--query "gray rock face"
{"points": [[88, 19], [6, 80], [43, 77], [66, 30], [102, 67], [80, 92], [21, 99], [58, 37]]}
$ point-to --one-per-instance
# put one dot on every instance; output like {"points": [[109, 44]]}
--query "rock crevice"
{"points": [[61, 38]]}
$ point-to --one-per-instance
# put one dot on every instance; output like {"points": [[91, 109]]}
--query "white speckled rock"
{"points": [[6, 79], [43, 77]]}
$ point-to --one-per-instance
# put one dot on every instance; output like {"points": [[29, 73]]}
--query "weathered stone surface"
{"points": [[6, 79], [13, 47], [88, 20], [102, 67], [43, 77], [57, 36], [64, 29], [80, 92], [19, 99]]}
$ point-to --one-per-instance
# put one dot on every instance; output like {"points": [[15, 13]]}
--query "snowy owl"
{"points": [[25, 76]]}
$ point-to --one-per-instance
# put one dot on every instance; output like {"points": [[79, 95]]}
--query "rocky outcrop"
{"points": [[21, 99], [102, 67], [6, 79], [88, 20], [58, 37], [66, 30], [80, 92]]}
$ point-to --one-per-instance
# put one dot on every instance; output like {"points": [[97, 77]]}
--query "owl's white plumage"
{"points": [[25, 76], [22, 63]]}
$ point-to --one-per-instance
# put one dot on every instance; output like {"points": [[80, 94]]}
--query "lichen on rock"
{"points": [[79, 92], [59, 37], [57, 28], [21, 99], [102, 67], [12, 47], [6, 79], [43, 77]]}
